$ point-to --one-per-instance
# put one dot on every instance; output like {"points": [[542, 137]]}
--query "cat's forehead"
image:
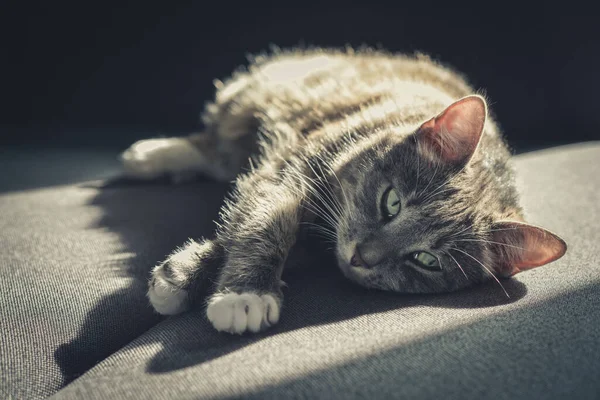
{"points": [[397, 161], [374, 145]]}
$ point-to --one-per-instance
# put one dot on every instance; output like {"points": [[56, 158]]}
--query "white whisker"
{"points": [[486, 268], [458, 265], [489, 241]]}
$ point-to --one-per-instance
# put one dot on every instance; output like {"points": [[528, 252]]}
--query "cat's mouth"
{"points": [[351, 262], [356, 260], [345, 253]]}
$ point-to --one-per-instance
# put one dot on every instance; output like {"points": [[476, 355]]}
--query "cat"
{"points": [[392, 157]]}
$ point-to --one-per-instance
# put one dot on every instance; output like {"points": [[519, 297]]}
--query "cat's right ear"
{"points": [[453, 135]]}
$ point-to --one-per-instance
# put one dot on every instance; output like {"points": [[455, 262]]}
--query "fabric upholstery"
{"points": [[75, 259], [74, 265], [28, 168]]}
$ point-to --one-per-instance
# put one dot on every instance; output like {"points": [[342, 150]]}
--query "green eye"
{"points": [[390, 203], [426, 260]]}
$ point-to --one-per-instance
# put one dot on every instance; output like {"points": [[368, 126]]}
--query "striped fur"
{"points": [[316, 137]]}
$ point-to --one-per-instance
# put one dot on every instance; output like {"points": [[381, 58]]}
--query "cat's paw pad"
{"points": [[152, 158], [238, 313], [165, 297]]}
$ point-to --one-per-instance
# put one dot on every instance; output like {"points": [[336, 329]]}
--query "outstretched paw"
{"points": [[241, 312], [153, 158], [165, 297]]}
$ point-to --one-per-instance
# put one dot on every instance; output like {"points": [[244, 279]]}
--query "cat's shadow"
{"points": [[152, 218], [317, 294]]}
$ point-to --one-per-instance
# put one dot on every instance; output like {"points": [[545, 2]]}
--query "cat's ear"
{"points": [[453, 135], [519, 246]]}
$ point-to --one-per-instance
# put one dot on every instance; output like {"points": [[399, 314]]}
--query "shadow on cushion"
{"points": [[150, 220], [153, 218]]}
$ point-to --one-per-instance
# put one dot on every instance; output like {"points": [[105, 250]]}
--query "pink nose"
{"points": [[356, 260]]}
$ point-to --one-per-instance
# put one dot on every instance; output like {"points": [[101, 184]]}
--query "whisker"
{"points": [[325, 203], [337, 179], [303, 179], [433, 194], [330, 202], [457, 264], [501, 229], [418, 172], [486, 268], [320, 229], [489, 241], [334, 202], [461, 231], [437, 166]]}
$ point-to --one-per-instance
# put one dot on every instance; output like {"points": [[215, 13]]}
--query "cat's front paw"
{"points": [[165, 297], [241, 312], [153, 158]]}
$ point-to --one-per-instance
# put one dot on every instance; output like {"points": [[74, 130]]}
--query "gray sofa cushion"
{"points": [[74, 265]]}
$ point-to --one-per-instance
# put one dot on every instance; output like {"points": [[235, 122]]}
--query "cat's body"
{"points": [[413, 184]]}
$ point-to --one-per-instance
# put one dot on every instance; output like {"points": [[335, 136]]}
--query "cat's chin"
{"points": [[355, 274]]}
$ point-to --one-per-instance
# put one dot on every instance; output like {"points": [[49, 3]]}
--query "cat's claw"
{"points": [[242, 312], [165, 297]]}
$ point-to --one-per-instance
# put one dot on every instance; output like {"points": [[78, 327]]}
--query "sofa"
{"points": [[77, 243]]}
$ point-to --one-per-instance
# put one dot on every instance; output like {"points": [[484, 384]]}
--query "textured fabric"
{"points": [[74, 262], [73, 266], [42, 167]]}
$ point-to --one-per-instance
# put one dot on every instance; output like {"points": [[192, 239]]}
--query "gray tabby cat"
{"points": [[393, 154]]}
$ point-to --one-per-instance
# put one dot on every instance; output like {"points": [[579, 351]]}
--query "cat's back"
{"points": [[302, 75], [308, 68], [305, 88], [321, 95]]}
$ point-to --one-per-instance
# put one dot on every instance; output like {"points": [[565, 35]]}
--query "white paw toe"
{"points": [[238, 313], [166, 298]]}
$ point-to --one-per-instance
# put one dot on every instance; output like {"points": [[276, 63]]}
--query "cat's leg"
{"points": [[182, 158], [260, 228], [220, 152], [184, 276]]}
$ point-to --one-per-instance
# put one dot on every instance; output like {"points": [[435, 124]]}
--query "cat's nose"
{"points": [[369, 253], [357, 260]]}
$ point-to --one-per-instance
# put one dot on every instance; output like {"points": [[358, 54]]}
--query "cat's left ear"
{"points": [[453, 135], [519, 246]]}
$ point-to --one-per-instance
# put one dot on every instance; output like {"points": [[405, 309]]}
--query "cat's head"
{"points": [[435, 209]]}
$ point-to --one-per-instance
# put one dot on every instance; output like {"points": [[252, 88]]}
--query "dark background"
{"points": [[101, 75]]}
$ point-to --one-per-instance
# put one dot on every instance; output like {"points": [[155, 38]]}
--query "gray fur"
{"points": [[325, 144]]}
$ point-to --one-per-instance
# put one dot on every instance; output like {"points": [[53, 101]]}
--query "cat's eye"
{"points": [[426, 260], [390, 203]]}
